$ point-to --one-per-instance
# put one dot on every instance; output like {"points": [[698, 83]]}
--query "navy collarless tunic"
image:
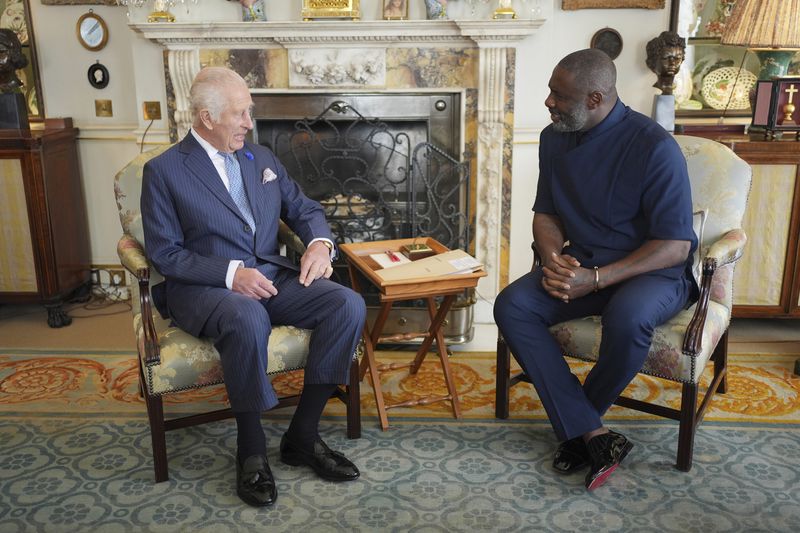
{"points": [[615, 186]]}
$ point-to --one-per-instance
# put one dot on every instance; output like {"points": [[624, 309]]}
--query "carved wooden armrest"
{"points": [[726, 250], [131, 254]]}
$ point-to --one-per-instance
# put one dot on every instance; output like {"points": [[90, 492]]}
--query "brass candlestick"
{"points": [[504, 10]]}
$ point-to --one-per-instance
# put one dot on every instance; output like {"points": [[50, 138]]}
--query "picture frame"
{"points": [[92, 31], [570, 5], [395, 9], [98, 76], [609, 41], [331, 9]]}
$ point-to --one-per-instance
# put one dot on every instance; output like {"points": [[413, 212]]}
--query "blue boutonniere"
{"points": [[249, 156]]}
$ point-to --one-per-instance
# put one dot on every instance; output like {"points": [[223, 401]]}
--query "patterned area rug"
{"points": [[70, 475], [761, 388], [75, 456]]}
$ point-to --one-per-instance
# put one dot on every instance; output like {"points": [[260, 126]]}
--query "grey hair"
{"points": [[593, 71], [208, 91]]}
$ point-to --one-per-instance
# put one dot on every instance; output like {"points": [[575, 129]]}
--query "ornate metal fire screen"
{"points": [[377, 178]]}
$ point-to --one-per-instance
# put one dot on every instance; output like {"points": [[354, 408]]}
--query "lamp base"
{"points": [[774, 63]]}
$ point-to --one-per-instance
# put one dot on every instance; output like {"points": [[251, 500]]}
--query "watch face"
{"points": [[91, 31]]}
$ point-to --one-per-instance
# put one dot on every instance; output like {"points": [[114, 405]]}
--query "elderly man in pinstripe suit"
{"points": [[210, 208]]}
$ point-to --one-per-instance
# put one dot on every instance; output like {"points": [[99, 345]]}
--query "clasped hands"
{"points": [[564, 278], [315, 264]]}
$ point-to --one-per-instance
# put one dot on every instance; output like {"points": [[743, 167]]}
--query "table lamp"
{"points": [[770, 28]]}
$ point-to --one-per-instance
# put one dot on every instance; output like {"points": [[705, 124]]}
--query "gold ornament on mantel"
{"points": [[504, 10], [331, 9]]}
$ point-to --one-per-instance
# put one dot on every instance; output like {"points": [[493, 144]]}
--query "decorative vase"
{"points": [[436, 9]]}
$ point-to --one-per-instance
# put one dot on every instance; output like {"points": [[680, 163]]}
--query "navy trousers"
{"points": [[240, 328], [630, 311]]}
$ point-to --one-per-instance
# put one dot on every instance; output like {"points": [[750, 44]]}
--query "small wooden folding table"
{"points": [[447, 286]]}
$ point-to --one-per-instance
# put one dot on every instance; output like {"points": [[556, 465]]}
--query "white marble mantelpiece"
{"points": [[183, 42], [338, 33]]}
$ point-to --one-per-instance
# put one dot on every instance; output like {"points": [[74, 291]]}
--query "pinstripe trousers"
{"points": [[240, 327]]}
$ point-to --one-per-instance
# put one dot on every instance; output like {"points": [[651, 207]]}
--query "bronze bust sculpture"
{"points": [[11, 59], [665, 54]]}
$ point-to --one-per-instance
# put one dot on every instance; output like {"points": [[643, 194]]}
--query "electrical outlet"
{"points": [[152, 110], [116, 278], [95, 277]]}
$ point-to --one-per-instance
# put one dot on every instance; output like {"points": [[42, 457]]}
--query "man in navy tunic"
{"points": [[613, 227]]}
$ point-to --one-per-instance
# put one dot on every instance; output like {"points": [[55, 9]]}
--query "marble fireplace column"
{"points": [[491, 164]]}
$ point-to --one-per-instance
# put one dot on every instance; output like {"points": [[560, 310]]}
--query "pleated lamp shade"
{"points": [[764, 24], [771, 28]]}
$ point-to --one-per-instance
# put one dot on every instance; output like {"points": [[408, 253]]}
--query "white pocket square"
{"points": [[268, 175]]}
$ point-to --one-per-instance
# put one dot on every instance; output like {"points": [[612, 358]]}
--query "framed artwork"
{"points": [[331, 9], [15, 16], [395, 9], [98, 76], [568, 5], [79, 2], [609, 41]]}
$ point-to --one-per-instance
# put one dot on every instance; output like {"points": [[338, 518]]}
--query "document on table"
{"points": [[390, 259], [444, 264]]}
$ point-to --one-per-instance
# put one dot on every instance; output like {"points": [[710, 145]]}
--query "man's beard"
{"points": [[573, 120]]}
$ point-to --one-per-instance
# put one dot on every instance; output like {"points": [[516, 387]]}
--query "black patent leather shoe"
{"points": [[606, 452], [328, 464], [254, 482], [571, 455]]}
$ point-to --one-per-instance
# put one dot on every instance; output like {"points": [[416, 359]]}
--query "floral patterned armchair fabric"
{"points": [[171, 360], [683, 346]]}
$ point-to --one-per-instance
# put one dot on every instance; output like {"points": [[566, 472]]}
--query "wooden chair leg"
{"points": [[720, 357], [354, 403], [155, 412], [502, 380], [158, 432], [688, 427]]}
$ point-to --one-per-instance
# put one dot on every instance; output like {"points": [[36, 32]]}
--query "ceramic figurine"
{"points": [[436, 9], [253, 11]]}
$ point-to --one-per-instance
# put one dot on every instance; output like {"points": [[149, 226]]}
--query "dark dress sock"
{"points": [[303, 430], [250, 439]]}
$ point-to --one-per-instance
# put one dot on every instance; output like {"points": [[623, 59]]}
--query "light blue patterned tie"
{"points": [[237, 191]]}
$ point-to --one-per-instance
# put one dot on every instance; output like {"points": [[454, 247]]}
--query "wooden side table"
{"points": [[359, 260]]}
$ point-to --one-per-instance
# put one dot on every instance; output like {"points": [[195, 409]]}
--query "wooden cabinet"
{"points": [[767, 279], [44, 240]]}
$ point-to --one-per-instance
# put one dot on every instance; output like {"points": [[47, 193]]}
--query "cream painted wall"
{"points": [[106, 144]]}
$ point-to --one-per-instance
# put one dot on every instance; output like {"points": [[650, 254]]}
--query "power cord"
{"points": [[141, 145]]}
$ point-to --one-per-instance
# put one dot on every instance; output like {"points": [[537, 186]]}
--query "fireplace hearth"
{"points": [[383, 167]]}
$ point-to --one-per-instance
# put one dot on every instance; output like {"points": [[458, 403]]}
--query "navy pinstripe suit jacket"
{"points": [[193, 229]]}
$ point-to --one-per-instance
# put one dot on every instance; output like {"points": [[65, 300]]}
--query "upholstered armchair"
{"points": [[171, 360], [682, 347]]}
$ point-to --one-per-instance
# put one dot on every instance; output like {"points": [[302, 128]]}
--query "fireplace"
{"points": [[383, 166], [473, 59]]}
